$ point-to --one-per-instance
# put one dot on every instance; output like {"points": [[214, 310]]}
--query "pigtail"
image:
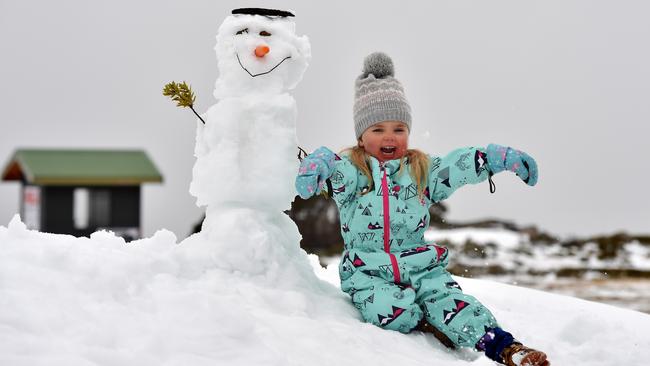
{"points": [[361, 160], [418, 163]]}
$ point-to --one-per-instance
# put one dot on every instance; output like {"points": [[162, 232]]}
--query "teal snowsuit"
{"points": [[394, 277]]}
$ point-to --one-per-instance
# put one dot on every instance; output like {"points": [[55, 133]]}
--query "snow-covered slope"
{"points": [[99, 301]]}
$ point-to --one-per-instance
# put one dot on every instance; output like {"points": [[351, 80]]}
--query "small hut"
{"points": [[78, 192]]}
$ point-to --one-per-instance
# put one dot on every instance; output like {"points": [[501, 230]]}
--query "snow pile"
{"points": [[638, 255], [100, 301], [80, 301]]}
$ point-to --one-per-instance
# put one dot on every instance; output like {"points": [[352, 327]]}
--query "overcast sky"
{"points": [[566, 81]]}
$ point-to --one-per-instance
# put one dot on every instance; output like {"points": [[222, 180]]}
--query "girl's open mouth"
{"points": [[388, 150]]}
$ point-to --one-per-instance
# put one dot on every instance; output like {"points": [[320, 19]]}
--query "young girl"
{"points": [[383, 191]]}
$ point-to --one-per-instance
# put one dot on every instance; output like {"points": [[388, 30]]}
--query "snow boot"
{"points": [[517, 354]]}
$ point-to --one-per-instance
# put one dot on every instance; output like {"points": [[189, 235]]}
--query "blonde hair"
{"points": [[417, 160]]}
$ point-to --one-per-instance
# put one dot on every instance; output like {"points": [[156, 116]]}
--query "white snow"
{"points": [[505, 238], [100, 301], [515, 252]]}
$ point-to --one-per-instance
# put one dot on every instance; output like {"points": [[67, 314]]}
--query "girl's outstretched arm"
{"points": [[467, 165], [472, 165]]}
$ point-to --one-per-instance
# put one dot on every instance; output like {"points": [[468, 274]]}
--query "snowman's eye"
{"points": [[245, 30], [265, 34]]}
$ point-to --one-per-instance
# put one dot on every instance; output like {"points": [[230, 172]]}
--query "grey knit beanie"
{"points": [[378, 96]]}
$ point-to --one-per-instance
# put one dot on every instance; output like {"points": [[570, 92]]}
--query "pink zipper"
{"points": [[393, 260]]}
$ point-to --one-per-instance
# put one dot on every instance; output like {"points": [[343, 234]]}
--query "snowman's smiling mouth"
{"points": [[262, 73]]}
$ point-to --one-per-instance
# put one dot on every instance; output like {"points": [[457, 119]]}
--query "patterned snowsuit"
{"points": [[393, 276]]}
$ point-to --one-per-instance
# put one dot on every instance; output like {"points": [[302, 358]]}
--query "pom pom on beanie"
{"points": [[378, 64]]}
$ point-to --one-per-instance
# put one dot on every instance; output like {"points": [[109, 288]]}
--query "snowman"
{"points": [[246, 151]]}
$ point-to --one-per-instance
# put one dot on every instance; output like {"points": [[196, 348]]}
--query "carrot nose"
{"points": [[260, 51]]}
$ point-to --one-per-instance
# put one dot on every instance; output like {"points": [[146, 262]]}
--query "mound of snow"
{"points": [[100, 301]]}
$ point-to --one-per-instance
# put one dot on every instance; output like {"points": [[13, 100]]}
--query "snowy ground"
{"points": [[515, 252], [100, 301], [626, 293], [538, 265]]}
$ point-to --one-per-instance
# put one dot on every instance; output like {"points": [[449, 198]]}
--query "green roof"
{"points": [[81, 167]]}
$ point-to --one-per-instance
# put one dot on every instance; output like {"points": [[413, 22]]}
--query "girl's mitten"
{"points": [[314, 170], [502, 158]]}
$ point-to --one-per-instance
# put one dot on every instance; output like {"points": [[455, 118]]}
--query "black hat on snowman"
{"points": [[263, 12]]}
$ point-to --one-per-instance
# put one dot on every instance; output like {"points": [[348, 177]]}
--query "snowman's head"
{"points": [[258, 51]]}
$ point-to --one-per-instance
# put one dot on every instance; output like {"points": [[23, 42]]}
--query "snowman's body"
{"points": [[246, 153], [250, 143]]}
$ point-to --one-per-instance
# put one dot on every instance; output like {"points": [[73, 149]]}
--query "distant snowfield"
{"points": [[100, 301], [516, 253]]}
